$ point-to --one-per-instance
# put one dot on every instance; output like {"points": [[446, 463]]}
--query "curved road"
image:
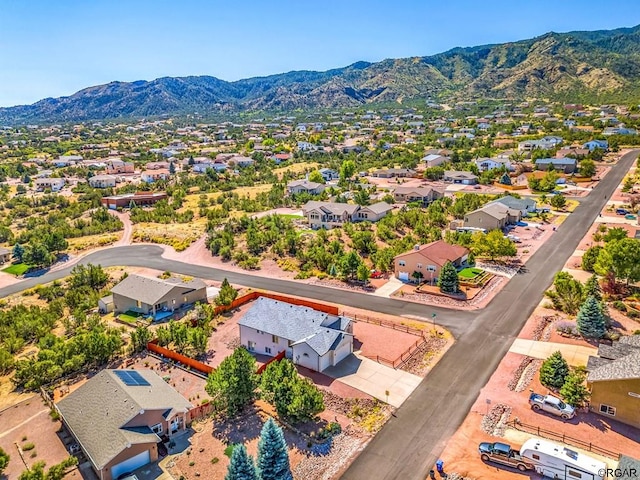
{"points": [[410, 442]]}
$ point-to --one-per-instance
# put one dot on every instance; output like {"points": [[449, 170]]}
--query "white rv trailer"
{"points": [[559, 462]]}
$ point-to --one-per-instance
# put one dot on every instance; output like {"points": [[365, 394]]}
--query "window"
{"points": [[419, 265], [305, 354], [573, 473], [267, 350], [157, 428], [402, 263], [274, 338], [431, 268], [608, 410], [536, 457]]}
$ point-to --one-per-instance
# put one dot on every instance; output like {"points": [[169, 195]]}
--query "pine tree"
{"points": [[591, 321], [241, 466], [18, 252], [574, 392], [505, 179], [273, 458], [448, 279], [592, 288], [554, 371], [227, 294]]}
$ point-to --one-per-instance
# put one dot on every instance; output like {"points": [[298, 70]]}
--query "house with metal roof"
{"points": [[310, 338], [118, 417], [614, 380], [156, 297]]}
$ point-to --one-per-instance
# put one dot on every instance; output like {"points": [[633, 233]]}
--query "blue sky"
{"points": [[53, 48]]}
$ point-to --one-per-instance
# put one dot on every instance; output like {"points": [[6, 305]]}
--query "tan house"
{"points": [[304, 186], [5, 255], [491, 217], [461, 177], [118, 417], [115, 165], [102, 181], [330, 215], [150, 176], [423, 195], [156, 297], [614, 380], [394, 173], [428, 260]]}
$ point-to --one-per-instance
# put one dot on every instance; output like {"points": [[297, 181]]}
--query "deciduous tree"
{"points": [[227, 294], [233, 384], [574, 391]]}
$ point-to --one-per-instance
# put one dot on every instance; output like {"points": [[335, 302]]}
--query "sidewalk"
{"points": [[575, 355]]}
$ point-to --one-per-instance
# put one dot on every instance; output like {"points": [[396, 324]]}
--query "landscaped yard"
{"points": [[470, 272], [130, 317], [17, 269]]}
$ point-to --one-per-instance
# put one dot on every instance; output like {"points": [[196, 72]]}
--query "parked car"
{"points": [[375, 274], [622, 211], [503, 454], [551, 404], [630, 217]]}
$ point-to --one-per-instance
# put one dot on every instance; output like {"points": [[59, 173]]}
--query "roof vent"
{"points": [[416, 246]]}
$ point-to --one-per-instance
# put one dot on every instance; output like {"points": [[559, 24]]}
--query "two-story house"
{"points": [[102, 181], [118, 417]]}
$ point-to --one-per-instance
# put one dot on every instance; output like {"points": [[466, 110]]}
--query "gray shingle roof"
{"points": [[97, 412], [295, 323], [379, 207], [331, 207], [556, 161], [517, 203], [633, 340], [150, 290], [624, 368], [629, 468]]}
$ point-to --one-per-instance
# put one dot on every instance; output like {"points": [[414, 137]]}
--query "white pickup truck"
{"points": [[551, 404]]}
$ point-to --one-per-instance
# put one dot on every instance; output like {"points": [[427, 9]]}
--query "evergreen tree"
{"points": [[18, 252], [172, 168], [233, 384], [592, 288], [574, 392], [241, 466], [273, 458], [4, 460], [227, 294], [554, 371], [591, 321], [448, 279], [505, 179]]}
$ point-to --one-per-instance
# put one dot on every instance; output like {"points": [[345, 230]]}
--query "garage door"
{"points": [[404, 276], [130, 464], [343, 351]]}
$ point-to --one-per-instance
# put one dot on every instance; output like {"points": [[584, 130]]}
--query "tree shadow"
{"points": [[240, 429]]}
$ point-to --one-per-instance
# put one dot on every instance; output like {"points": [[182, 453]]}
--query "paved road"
{"points": [[409, 443]]}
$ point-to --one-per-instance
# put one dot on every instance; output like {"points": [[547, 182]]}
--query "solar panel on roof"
{"points": [[131, 378]]}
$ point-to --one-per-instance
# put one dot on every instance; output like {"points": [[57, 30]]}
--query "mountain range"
{"points": [[597, 66]]}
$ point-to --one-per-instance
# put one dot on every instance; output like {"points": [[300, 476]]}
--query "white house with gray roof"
{"points": [[119, 416], [311, 338]]}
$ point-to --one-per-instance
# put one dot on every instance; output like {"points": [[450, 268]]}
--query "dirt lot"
{"points": [[29, 422]]}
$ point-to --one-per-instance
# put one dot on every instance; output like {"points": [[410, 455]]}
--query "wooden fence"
{"points": [[404, 356], [153, 346], [576, 442], [387, 324]]}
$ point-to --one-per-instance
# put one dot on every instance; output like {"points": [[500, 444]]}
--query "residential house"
{"points": [[492, 216], [614, 380], [118, 417], [423, 195], [565, 165], [545, 143], [155, 297], [434, 160], [310, 338], [150, 176], [115, 165], [461, 177], [53, 184], [394, 173], [428, 260], [485, 164], [329, 174], [102, 181], [525, 205], [241, 161], [330, 214], [619, 131], [138, 199], [304, 186], [574, 152], [5, 255], [157, 166], [215, 166], [593, 144]]}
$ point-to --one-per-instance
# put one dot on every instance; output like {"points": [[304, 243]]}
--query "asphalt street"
{"points": [[409, 444]]}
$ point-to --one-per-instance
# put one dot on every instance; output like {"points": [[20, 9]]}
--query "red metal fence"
{"points": [[277, 358], [153, 346]]}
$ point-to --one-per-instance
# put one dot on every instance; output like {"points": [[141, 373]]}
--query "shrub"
{"points": [[567, 327], [619, 305], [554, 371], [28, 446]]}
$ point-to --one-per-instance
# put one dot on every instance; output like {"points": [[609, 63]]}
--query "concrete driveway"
{"points": [[375, 379], [575, 355]]}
